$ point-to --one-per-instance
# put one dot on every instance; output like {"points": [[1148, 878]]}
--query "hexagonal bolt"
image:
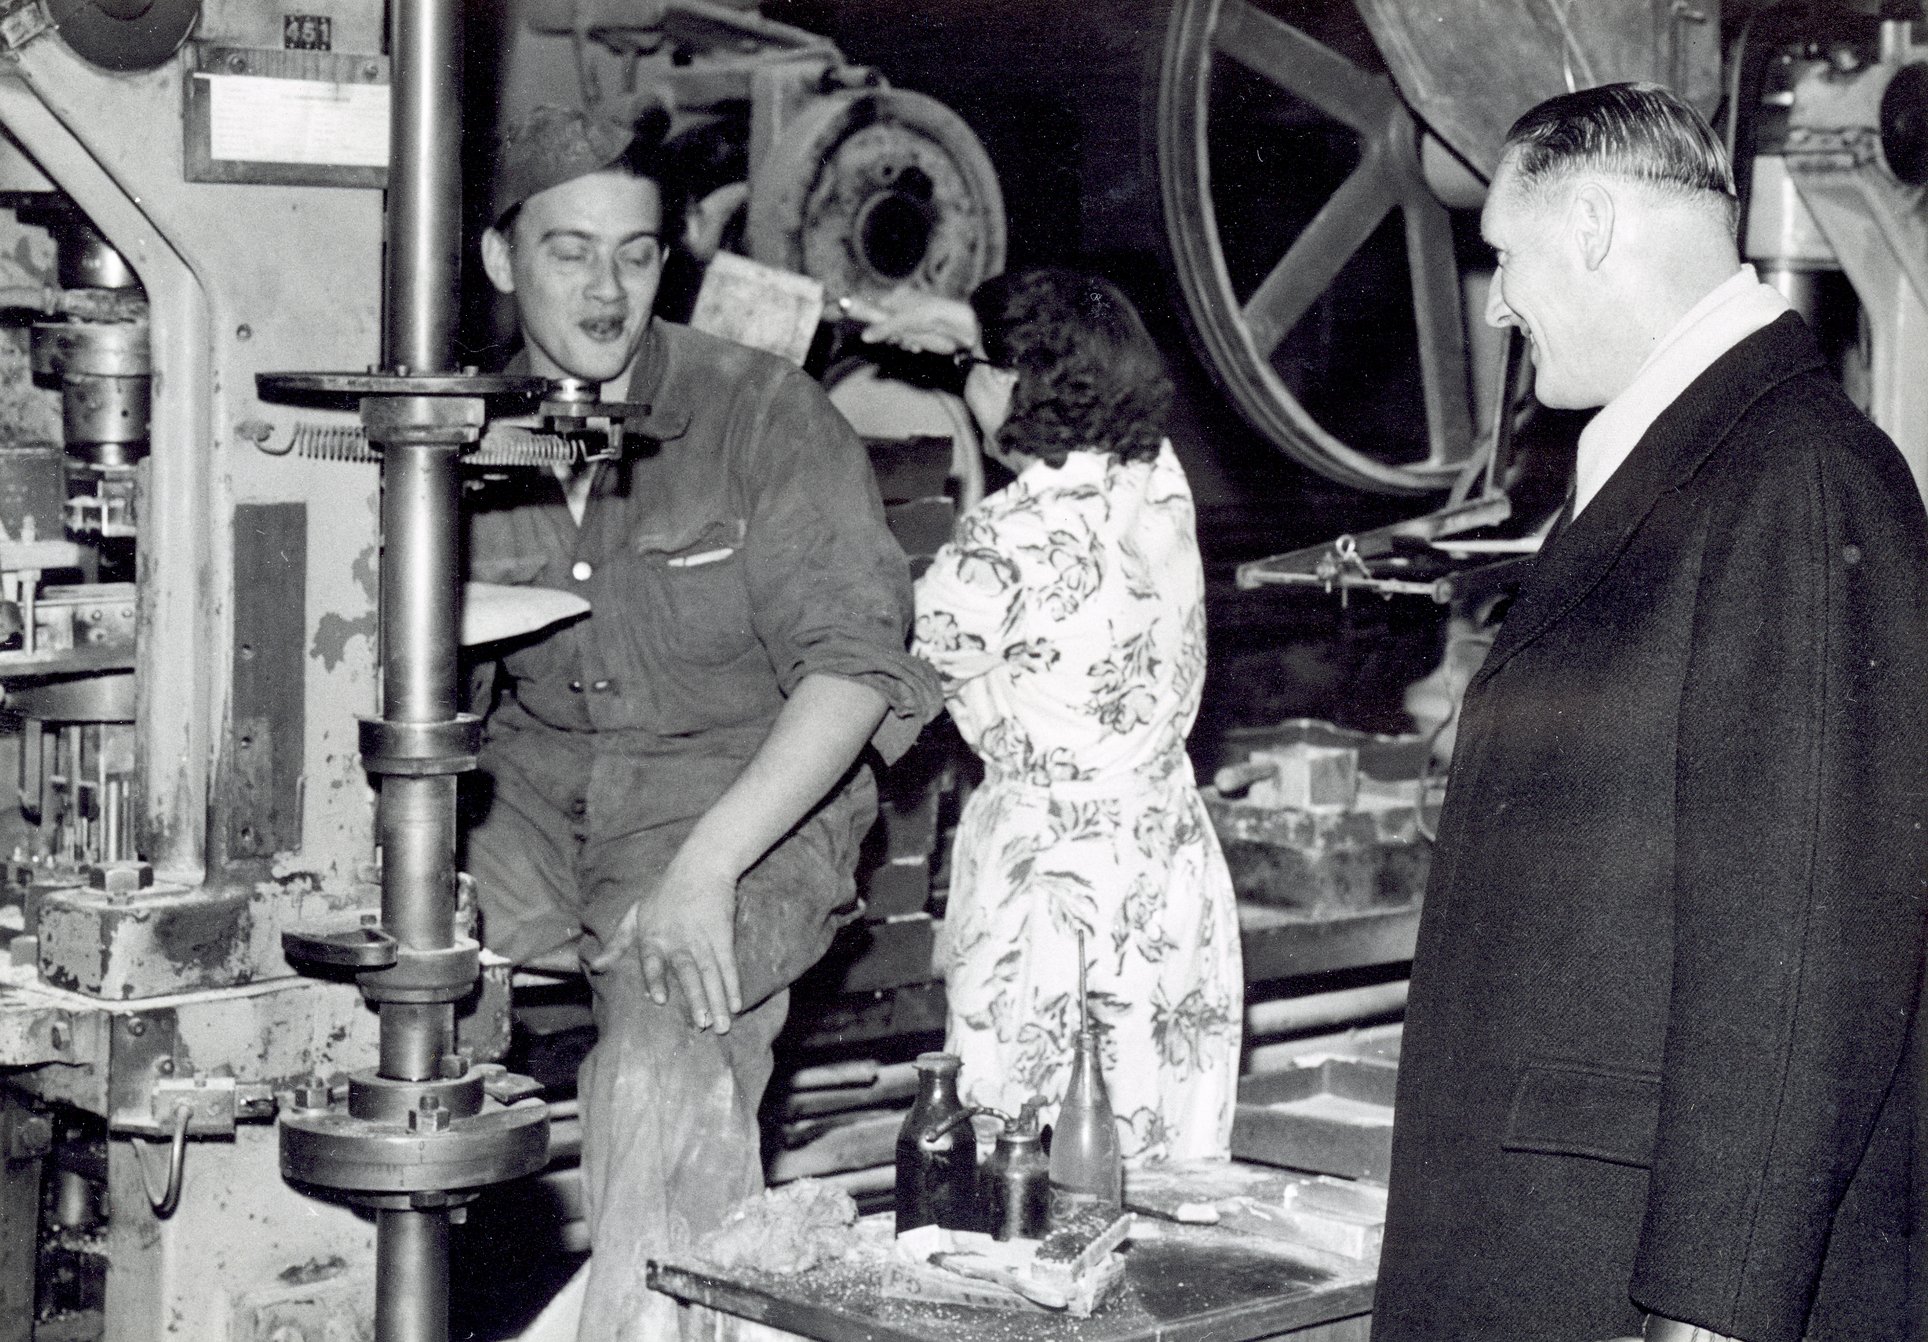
{"points": [[311, 1094], [429, 1117], [32, 1136], [120, 878], [452, 1066]]}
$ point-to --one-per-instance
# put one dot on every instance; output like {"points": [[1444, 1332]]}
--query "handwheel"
{"points": [[1244, 314]]}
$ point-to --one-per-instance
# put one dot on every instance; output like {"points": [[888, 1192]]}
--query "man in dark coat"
{"points": [[1658, 1070]]}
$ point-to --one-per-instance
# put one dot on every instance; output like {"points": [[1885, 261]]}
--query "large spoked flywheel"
{"points": [[1282, 165]]}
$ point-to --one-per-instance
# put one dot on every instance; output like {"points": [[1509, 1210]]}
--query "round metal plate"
{"points": [[334, 1151], [124, 34], [355, 385]]}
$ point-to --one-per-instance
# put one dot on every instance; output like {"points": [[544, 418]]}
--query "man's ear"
{"points": [[496, 261], [1590, 222]]}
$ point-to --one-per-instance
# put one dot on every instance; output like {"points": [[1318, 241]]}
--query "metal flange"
{"points": [[430, 1151], [381, 1099], [420, 749], [444, 974]]}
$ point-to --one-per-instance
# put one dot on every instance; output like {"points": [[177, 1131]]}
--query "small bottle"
{"points": [[1086, 1167], [937, 1152], [1014, 1189]]}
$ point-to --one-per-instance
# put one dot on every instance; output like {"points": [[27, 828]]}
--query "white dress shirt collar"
{"points": [[1733, 311]]}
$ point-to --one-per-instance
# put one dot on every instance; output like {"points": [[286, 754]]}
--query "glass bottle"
{"points": [[937, 1152], [1086, 1166]]}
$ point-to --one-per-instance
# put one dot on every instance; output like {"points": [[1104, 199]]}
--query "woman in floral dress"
{"points": [[1067, 620]]}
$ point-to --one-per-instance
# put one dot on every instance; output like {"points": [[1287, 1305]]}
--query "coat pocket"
{"points": [[1585, 1109]]}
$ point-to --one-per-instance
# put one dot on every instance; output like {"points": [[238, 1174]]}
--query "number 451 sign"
{"points": [[307, 32]]}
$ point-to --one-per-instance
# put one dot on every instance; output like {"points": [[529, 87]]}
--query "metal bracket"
{"points": [[140, 1050], [148, 1085], [209, 1100]]}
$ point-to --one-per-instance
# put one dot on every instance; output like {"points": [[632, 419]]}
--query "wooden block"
{"points": [[1342, 1216], [865, 1141]]}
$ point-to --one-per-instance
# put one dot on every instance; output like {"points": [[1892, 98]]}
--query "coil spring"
{"points": [[501, 445]]}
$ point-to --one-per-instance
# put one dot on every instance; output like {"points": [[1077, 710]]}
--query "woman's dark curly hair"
{"points": [[1089, 378]]}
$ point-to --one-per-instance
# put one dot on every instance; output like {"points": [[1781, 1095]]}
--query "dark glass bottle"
{"points": [[1014, 1192], [1086, 1168], [937, 1152]]}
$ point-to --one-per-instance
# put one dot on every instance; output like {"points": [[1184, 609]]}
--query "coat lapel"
{"points": [[1576, 558]]}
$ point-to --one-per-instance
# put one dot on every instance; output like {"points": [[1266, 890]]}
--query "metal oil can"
{"points": [[1014, 1184]]}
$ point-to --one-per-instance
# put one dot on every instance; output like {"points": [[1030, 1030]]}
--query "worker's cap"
{"points": [[549, 146]]}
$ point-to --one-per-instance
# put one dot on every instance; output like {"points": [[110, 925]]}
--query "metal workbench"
{"points": [[1188, 1284]]}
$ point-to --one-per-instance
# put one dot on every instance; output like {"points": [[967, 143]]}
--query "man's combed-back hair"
{"points": [[1641, 132], [1089, 377]]}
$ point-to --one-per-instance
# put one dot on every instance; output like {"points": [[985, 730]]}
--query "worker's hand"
{"points": [[685, 927], [920, 322]]}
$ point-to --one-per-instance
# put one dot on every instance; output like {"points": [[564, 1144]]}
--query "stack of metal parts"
{"points": [[67, 554]]}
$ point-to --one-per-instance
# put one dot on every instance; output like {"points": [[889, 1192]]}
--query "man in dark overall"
{"points": [[1657, 1071], [679, 780]]}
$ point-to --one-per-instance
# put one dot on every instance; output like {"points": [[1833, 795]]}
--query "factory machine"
{"points": [[246, 1037]]}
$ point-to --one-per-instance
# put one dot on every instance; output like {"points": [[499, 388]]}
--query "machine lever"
{"points": [[348, 948]]}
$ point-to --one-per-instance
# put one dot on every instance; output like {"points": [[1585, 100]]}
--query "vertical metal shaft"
{"points": [[411, 1275], [420, 502], [424, 184]]}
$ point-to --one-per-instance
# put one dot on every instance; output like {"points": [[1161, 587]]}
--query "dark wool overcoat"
{"points": [[1657, 1055]]}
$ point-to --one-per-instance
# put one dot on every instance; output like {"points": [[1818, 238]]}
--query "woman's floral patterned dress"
{"points": [[1068, 622]]}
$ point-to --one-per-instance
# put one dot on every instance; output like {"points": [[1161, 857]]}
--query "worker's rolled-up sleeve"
{"points": [[829, 586]]}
